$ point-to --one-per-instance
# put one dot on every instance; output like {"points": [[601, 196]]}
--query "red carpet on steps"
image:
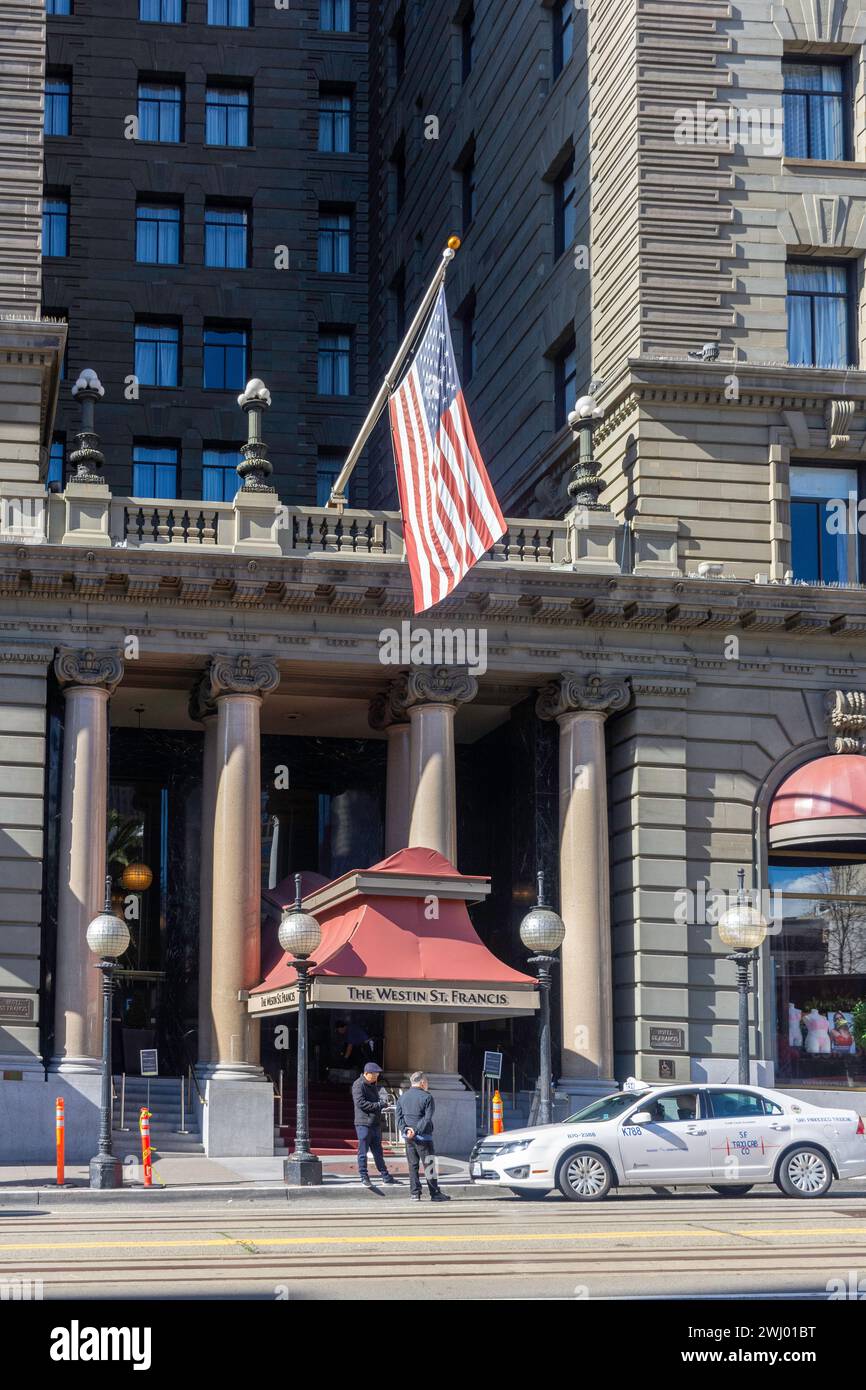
{"points": [[332, 1130]]}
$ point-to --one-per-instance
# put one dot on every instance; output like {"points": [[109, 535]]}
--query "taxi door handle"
{"points": [[778, 1126], [691, 1130]]}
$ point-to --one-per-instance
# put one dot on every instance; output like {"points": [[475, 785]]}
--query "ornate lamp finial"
{"points": [[86, 456], [256, 468], [584, 484]]}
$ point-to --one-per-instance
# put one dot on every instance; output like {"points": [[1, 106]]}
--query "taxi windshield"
{"points": [[610, 1108]]}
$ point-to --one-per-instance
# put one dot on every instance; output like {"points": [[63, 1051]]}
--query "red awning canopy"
{"points": [[398, 936]]}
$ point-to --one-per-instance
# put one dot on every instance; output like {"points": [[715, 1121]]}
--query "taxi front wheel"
{"points": [[584, 1176], [805, 1172]]}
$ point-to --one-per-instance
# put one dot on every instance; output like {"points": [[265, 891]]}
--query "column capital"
{"points": [[575, 694], [845, 715], [433, 685], [201, 704], [241, 674], [384, 712], [75, 666]]}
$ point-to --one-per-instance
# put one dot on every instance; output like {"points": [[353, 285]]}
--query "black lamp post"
{"points": [[108, 938], [543, 931], [743, 928], [300, 935]]}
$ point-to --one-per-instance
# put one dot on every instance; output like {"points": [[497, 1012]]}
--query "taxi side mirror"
{"points": [[643, 1117]]}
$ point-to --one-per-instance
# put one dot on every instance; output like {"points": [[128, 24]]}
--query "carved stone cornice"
{"points": [[433, 685], [241, 674], [845, 712], [576, 694], [85, 667], [385, 712], [201, 705]]}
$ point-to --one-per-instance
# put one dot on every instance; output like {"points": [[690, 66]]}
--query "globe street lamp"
{"points": [[543, 932], [744, 929], [300, 935], [108, 938]]}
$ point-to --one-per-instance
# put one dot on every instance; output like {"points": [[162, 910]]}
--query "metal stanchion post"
{"points": [[123, 1100], [183, 1129]]}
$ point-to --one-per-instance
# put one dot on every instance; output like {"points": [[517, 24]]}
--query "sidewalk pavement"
{"points": [[193, 1177]]}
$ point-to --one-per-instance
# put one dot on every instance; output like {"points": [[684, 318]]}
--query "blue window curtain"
{"points": [[161, 11], [227, 116], [58, 7], [56, 461], [156, 354], [154, 471], [335, 16], [822, 549], [566, 212], [328, 467], [57, 93], [219, 477], [157, 235], [335, 242], [335, 123], [225, 359], [818, 316], [334, 364], [563, 34], [230, 14], [55, 227], [225, 237], [159, 108], [815, 115]]}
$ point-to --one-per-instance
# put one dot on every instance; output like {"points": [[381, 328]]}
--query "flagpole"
{"points": [[338, 498]]}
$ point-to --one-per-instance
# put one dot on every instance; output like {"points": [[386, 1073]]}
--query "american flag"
{"points": [[450, 513]]}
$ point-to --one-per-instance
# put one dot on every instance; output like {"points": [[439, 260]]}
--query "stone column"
{"points": [[237, 685], [88, 679], [580, 706], [203, 711], [395, 724], [431, 698]]}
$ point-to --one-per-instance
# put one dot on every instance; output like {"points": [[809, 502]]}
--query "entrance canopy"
{"points": [[824, 800], [397, 937]]}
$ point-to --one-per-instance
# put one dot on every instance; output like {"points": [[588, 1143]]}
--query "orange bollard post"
{"points": [[498, 1113], [60, 1134], [144, 1126]]}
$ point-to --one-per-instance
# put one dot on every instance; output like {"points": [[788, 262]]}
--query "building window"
{"points": [[565, 373], [335, 362], [56, 460], [816, 103], [467, 43], [468, 191], [219, 476], [227, 116], [225, 359], [160, 11], [160, 109], [154, 471], [328, 466], [335, 122], [335, 16], [157, 352], [819, 315], [335, 242], [823, 548], [466, 315], [57, 95], [229, 14], [157, 234], [563, 34], [397, 45], [58, 6], [55, 226], [565, 210], [226, 237]]}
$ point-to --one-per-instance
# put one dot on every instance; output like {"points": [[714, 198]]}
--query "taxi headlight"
{"points": [[517, 1146]]}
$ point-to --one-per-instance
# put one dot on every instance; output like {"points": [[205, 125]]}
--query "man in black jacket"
{"points": [[415, 1123], [368, 1122]]}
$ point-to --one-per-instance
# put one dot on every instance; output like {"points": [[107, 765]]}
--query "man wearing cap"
{"points": [[368, 1122]]}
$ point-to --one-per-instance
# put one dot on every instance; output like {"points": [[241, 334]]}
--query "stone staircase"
{"points": [[165, 1109]]}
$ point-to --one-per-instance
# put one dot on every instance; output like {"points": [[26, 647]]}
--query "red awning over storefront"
{"points": [[398, 936]]}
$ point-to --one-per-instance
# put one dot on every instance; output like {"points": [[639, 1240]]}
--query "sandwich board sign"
{"points": [[149, 1061], [493, 1065]]}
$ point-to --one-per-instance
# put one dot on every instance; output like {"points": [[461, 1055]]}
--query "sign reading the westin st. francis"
{"points": [[439, 998], [15, 1009], [667, 1039]]}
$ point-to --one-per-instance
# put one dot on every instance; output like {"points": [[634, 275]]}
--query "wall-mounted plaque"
{"points": [[16, 1009], [668, 1039]]}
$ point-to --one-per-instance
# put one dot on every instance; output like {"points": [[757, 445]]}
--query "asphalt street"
{"points": [[637, 1245]]}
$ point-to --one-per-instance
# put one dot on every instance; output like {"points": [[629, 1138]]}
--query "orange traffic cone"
{"points": [[498, 1113]]}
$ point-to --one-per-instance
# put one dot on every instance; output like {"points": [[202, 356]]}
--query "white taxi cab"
{"points": [[723, 1136]]}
